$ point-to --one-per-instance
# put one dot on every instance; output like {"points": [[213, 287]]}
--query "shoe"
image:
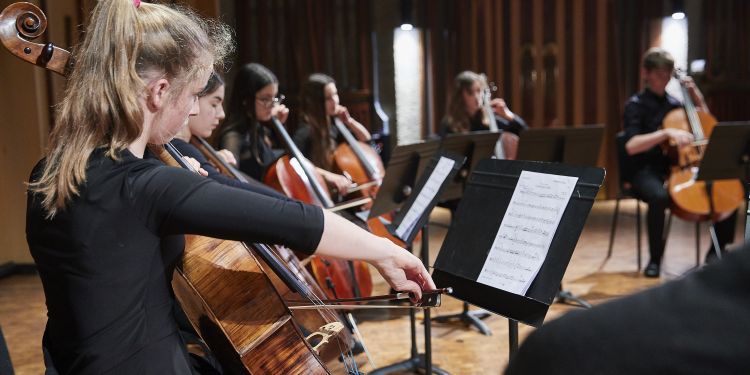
{"points": [[652, 270]]}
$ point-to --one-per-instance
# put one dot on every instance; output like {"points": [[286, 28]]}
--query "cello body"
{"points": [[235, 308], [689, 198], [296, 177]]}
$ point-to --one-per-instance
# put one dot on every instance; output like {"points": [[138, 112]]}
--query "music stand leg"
{"points": [[568, 298], [417, 362], [470, 318], [711, 228], [512, 337]]}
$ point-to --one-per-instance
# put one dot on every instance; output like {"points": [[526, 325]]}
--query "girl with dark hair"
{"points": [[253, 103], [202, 125], [317, 137]]}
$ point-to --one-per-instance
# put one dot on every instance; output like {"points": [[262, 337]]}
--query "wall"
{"points": [[24, 119]]}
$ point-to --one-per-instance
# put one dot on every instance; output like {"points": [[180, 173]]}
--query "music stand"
{"points": [[570, 145], [480, 215], [726, 157], [416, 213], [474, 146], [405, 165], [574, 146]]}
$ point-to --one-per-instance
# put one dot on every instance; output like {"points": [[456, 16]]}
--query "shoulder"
{"points": [[187, 149], [635, 99], [302, 134]]}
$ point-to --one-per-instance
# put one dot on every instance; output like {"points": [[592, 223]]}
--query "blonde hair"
{"points": [[456, 118], [122, 46]]}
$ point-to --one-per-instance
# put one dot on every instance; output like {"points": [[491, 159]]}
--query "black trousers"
{"points": [[649, 187]]}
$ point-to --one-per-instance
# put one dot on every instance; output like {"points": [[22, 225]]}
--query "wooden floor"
{"points": [[455, 348]]}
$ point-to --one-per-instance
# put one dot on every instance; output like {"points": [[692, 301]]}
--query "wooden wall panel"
{"points": [[23, 134]]}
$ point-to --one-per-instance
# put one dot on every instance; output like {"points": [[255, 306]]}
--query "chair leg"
{"points": [[614, 227], [667, 227], [638, 232], [697, 244]]}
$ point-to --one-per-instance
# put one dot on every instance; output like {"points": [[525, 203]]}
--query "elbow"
{"points": [[630, 148]]}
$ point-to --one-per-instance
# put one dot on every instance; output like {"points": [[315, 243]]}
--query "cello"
{"points": [[689, 198], [310, 320], [365, 168], [294, 175]]}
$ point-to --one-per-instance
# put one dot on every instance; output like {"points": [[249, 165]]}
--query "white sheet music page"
{"points": [[430, 188], [526, 232]]}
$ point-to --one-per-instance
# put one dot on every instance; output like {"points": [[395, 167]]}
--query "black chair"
{"points": [[625, 191]]}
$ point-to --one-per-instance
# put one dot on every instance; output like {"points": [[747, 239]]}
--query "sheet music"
{"points": [[426, 195], [526, 232]]}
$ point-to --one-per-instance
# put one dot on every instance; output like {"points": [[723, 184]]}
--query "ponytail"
{"points": [[123, 47]]}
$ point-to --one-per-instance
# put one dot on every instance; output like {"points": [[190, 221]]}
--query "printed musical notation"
{"points": [[425, 196], [526, 231]]}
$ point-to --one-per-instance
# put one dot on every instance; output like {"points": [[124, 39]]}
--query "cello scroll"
{"points": [[21, 22]]}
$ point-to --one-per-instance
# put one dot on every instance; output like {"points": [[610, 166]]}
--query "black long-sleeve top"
{"points": [[106, 260], [643, 114], [253, 185], [241, 145], [303, 139]]}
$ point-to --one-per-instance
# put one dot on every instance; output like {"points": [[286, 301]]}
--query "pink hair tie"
{"points": [[137, 3]]}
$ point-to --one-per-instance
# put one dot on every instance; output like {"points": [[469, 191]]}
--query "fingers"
{"points": [[281, 112], [415, 292], [228, 157]]}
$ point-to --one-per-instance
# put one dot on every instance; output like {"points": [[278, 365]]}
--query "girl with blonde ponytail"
{"points": [[105, 222]]}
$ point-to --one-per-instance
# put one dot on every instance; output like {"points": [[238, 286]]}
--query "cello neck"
{"points": [[320, 193], [690, 110], [214, 157], [356, 148]]}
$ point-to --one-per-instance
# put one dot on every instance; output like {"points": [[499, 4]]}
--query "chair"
{"points": [[625, 191]]}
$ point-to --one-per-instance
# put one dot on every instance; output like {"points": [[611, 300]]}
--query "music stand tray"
{"points": [[569, 145], [475, 146], [468, 242], [727, 157], [404, 167]]}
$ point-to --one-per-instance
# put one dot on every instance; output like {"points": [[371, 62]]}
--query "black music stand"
{"points": [[479, 216], [474, 146], [727, 156], [574, 146], [405, 165], [418, 361]]}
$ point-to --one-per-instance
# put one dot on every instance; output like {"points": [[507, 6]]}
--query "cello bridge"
{"points": [[325, 334]]}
